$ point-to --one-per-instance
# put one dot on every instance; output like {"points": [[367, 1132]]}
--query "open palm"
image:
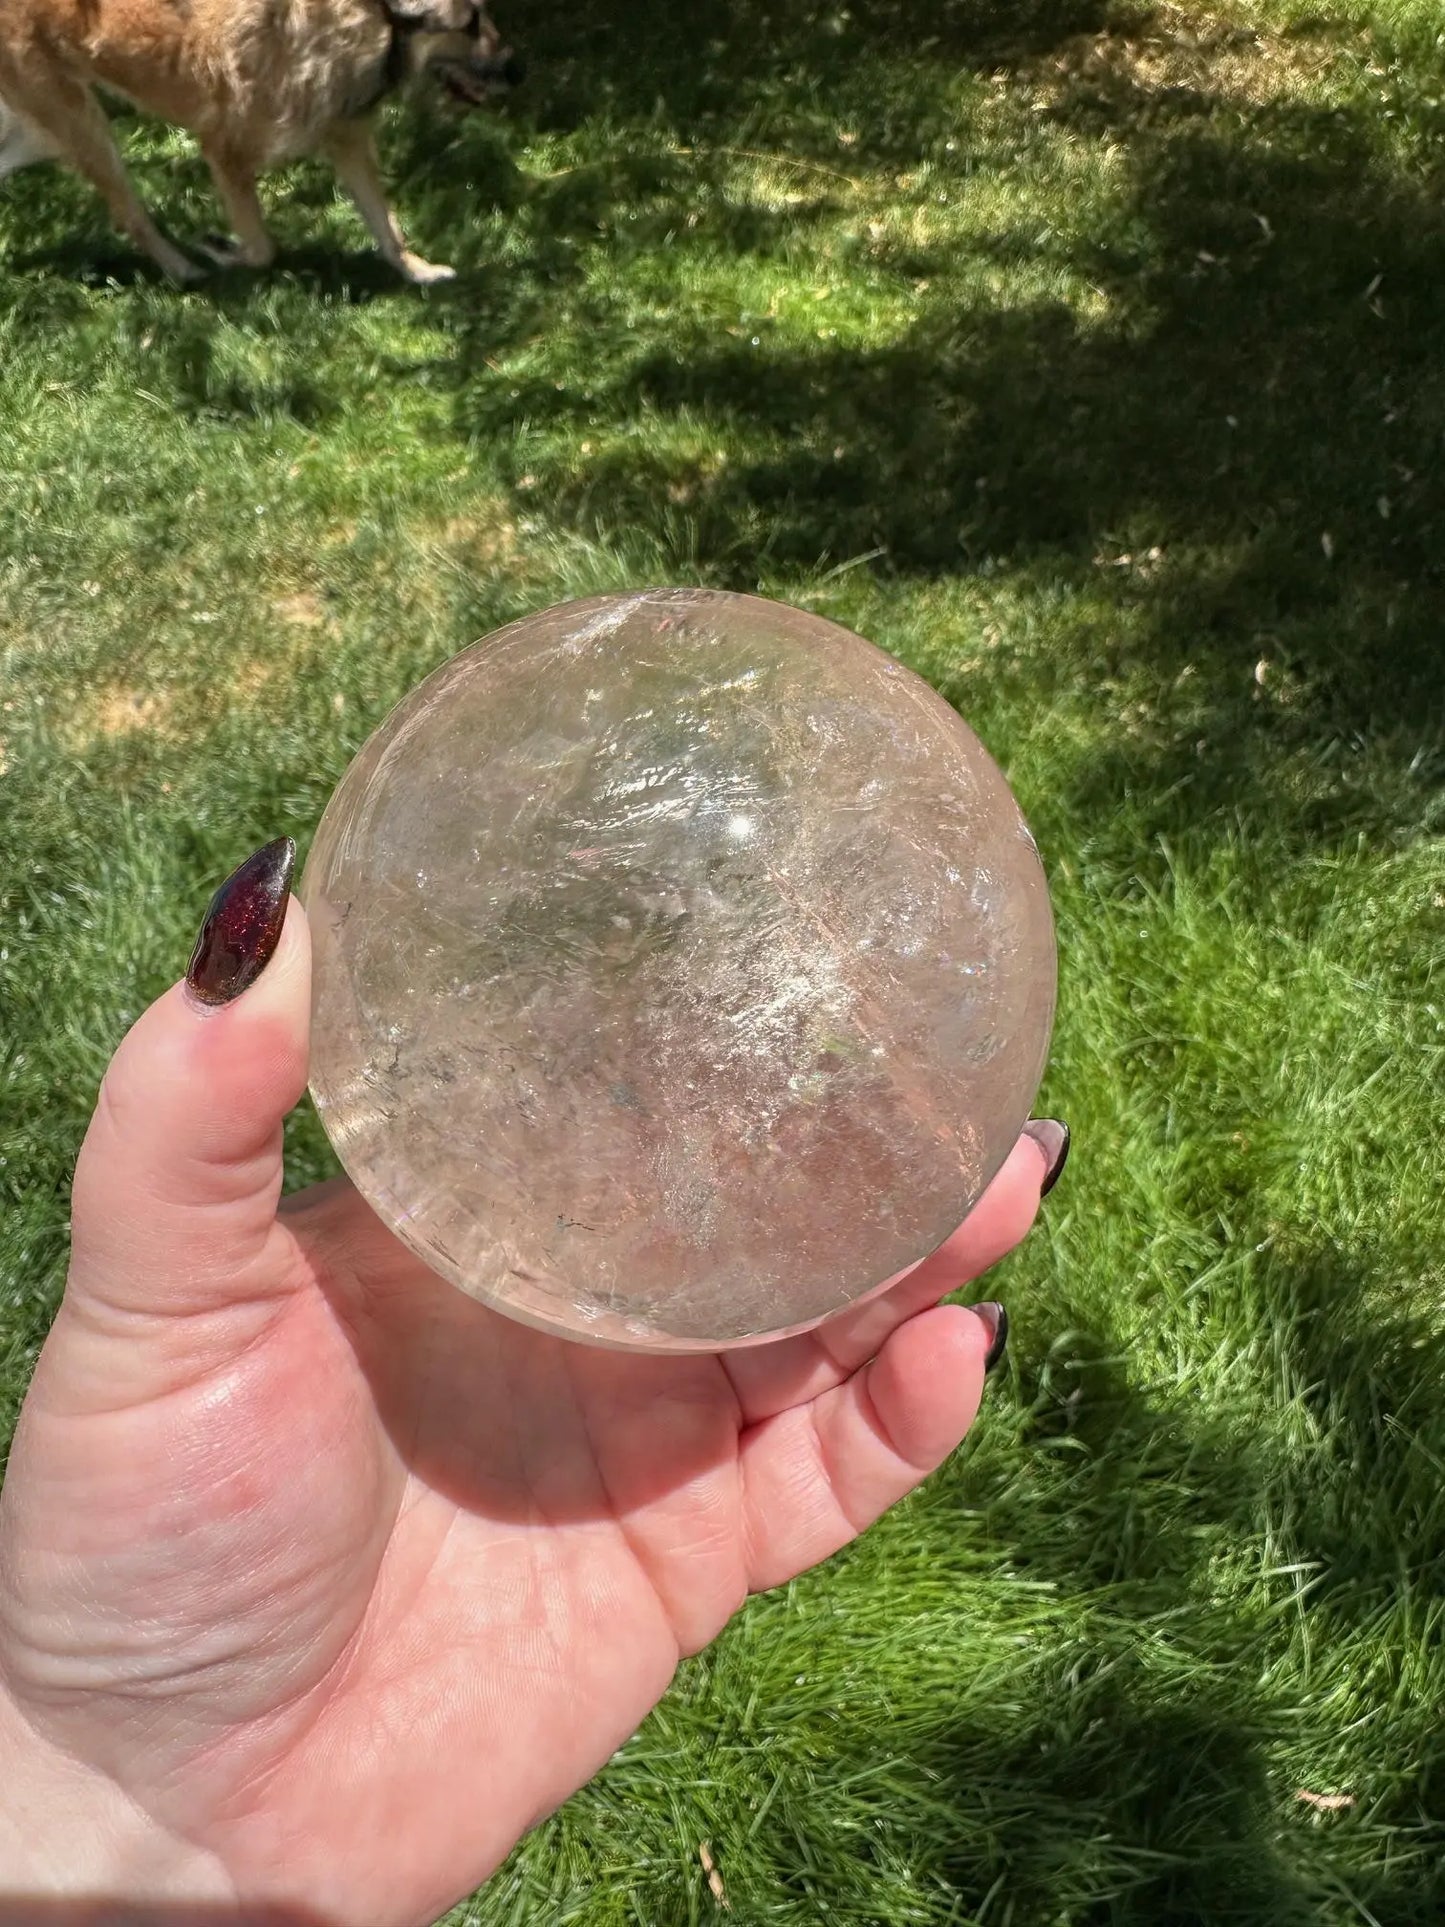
{"points": [[345, 1580]]}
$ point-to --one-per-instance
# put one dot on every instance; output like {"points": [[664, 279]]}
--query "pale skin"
{"points": [[320, 1584]]}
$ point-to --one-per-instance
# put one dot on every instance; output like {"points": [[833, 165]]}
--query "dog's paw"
{"points": [[223, 253], [180, 268], [424, 274], [234, 254]]}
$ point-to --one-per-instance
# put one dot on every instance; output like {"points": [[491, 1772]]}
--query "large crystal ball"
{"points": [[684, 970]]}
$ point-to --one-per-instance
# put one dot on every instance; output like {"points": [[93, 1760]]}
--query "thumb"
{"points": [[174, 1202]]}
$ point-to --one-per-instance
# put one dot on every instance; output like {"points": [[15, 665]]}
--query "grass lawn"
{"points": [[1090, 357]]}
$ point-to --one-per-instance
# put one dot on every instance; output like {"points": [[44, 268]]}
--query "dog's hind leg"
{"points": [[349, 147], [236, 185], [21, 143], [72, 121]]}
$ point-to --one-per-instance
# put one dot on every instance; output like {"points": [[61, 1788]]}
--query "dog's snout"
{"points": [[509, 68]]}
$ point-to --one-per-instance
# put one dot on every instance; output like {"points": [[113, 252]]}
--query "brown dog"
{"points": [[259, 82]]}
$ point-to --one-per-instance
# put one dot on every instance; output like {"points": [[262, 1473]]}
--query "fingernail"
{"points": [[243, 925], [1052, 1138], [995, 1318]]}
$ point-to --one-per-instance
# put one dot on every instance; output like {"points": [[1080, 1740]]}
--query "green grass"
{"points": [[1093, 360]]}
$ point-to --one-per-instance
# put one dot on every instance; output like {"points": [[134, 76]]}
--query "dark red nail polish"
{"points": [[995, 1318], [243, 925], [1052, 1138]]}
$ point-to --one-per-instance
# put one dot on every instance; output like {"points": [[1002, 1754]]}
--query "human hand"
{"points": [[321, 1583]]}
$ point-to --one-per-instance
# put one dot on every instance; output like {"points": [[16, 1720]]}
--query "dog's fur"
{"points": [[259, 82]]}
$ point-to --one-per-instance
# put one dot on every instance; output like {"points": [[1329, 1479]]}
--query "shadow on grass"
{"points": [[351, 276], [1133, 1491], [1349, 1474], [1238, 454], [1150, 1792], [1141, 1814], [1140, 1795], [712, 64], [1158, 1819], [1365, 1506]]}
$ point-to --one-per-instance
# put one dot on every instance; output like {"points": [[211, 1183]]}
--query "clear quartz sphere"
{"points": [[684, 970]]}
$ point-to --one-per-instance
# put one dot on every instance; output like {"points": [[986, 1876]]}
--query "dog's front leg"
{"points": [[349, 147], [236, 184]]}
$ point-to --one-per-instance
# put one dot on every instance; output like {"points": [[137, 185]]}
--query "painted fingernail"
{"points": [[1052, 1138], [243, 925], [995, 1318]]}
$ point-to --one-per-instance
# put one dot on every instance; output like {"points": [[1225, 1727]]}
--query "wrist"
{"points": [[68, 1831]]}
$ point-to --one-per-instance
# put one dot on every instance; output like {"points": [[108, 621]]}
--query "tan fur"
{"points": [[259, 82]]}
